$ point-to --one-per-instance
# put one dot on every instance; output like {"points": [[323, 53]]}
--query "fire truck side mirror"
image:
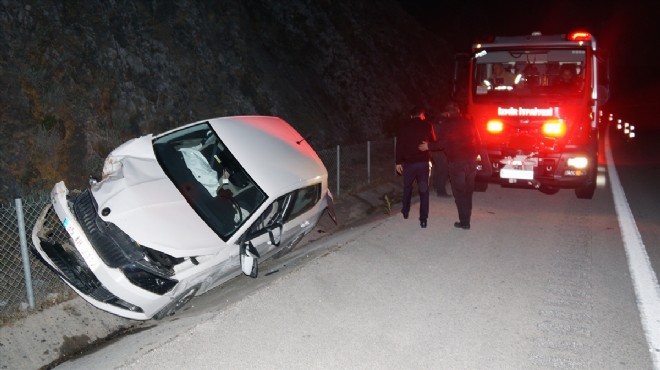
{"points": [[603, 95]]}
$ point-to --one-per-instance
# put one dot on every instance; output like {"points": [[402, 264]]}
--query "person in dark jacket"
{"points": [[461, 144], [412, 161], [440, 169]]}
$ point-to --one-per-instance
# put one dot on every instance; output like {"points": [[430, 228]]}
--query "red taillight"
{"points": [[554, 127], [494, 126], [579, 36]]}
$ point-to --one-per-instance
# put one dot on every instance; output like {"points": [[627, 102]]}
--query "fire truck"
{"points": [[535, 101]]}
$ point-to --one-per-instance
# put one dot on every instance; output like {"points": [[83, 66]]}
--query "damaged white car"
{"points": [[177, 214]]}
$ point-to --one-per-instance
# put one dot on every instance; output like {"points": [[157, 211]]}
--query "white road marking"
{"points": [[644, 278]]}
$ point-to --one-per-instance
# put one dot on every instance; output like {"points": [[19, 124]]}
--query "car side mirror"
{"points": [[249, 256], [275, 233]]}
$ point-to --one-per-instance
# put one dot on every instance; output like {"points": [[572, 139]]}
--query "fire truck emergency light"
{"points": [[494, 126], [554, 128], [579, 36]]}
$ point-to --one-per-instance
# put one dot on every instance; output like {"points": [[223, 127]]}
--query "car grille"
{"points": [[106, 238], [118, 250], [70, 265]]}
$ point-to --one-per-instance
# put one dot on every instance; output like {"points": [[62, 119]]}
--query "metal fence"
{"points": [[26, 284]]}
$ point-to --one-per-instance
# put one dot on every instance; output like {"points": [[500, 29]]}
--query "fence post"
{"points": [[394, 150], [24, 252], [368, 162], [338, 169]]}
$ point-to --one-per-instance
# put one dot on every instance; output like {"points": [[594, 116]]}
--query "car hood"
{"points": [[284, 159], [145, 204]]}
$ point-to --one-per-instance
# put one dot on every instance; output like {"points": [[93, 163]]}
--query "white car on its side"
{"points": [[179, 213]]}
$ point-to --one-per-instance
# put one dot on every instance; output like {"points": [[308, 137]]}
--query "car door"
{"points": [[287, 218]]}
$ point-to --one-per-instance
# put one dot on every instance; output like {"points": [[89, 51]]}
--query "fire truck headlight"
{"points": [[578, 162]]}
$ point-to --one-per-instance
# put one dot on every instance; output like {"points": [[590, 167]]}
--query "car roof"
{"points": [[271, 151]]}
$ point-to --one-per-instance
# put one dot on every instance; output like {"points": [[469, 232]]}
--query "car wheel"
{"points": [[177, 303]]}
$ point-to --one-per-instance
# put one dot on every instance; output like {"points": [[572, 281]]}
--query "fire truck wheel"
{"points": [[586, 191], [548, 190]]}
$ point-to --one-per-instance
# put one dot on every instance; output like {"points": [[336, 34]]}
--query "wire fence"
{"points": [[26, 284]]}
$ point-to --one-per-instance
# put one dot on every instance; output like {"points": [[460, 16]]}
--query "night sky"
{"points": [[629, 30]]}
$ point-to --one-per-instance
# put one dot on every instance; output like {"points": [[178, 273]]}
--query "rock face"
{"points": [[80, 77]]}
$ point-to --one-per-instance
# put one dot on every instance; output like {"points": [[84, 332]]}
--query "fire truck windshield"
{"points": [[534, 72]]}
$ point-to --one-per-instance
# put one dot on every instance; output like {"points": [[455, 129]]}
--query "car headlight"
{"points": [[141, 277]]}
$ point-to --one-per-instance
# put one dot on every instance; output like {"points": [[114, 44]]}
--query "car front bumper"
{"points": [[61, 242]]}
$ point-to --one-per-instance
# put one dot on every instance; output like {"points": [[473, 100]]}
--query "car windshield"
{"points": [[211, 179], [535, 72]]}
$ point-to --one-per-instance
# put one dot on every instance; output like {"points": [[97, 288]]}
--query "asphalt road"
{"points": [[540, 281]]}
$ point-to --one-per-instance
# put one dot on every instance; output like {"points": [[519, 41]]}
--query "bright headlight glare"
{"points": [[495, 126], [578, 162]]}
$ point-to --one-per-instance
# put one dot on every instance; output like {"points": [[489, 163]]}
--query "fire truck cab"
{"points": [[535, 101]]}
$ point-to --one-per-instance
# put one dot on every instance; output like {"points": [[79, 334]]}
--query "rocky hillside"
{"points": [[80, 77]]}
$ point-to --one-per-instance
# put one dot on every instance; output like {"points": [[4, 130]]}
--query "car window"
{"points": [[273, 215], [209, 177], [286, 208], [304, 199]]}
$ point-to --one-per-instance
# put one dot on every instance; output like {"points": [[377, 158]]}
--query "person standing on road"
{"points": [[412, 161], [440, 169], [461, 143]]}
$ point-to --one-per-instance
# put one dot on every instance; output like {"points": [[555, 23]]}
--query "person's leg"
{"points": [[423, 188], [470, 180], [443, 173], [440, 173], [435, 175], [408, 178], [458, 178]]}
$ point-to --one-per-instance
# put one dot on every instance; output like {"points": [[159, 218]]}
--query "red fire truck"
{"points": [[535, 101]]}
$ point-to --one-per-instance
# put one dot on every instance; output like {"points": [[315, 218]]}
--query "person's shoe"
{"points": [[405, 215], [462, 226], [422, 223]]}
